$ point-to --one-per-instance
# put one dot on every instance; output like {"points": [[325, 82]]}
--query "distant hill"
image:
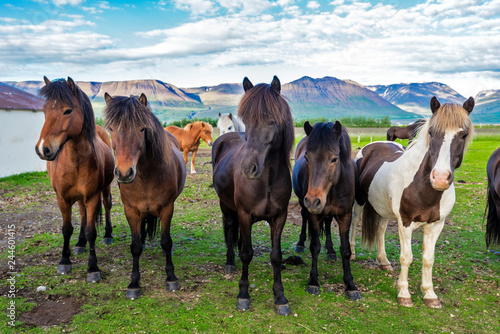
{"points": [[415, 97], [487, 108], [14, 98], [222, 98]]}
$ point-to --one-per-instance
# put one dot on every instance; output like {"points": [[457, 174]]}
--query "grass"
{"points": [[466, 274]]}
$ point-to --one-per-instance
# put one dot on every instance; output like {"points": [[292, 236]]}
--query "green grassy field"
{"points": [[466, 274]]}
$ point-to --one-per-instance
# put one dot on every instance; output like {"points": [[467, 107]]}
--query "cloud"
{"points": [[66, 2], [312, 5]]}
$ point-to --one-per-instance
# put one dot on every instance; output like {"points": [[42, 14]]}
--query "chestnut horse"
{"points": [[252, 178], [150, 174], [323, 178], [189, 138], [408, 132], [80, 165], [493, 207], [414, 187]]}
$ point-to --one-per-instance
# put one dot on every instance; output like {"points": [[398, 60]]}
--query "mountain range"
{"points": [[308, 97]]}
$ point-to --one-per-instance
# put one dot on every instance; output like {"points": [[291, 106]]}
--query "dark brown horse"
{"points": [[252, 178], [493, 208], [324, 180], [80, 165], [150, 173], [407, 132]]}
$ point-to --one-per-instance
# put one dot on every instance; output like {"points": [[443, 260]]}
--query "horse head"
{"points": [[226, 123], [206, 133], [323, 157]]}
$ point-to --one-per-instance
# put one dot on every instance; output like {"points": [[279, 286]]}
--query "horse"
{"points": [[493, 203], [229, 123], [189, 138], [80, 166], [408, 132], [150, 174], [323, 178], [414, 187], [251, 175]]}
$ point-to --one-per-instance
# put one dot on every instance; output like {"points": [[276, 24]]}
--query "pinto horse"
{"points": [[229, 123], [189, 138], [493, 207], [414, 187], [80, 165], [408, 132], [324, 178], [150, 174], [251, 175]]}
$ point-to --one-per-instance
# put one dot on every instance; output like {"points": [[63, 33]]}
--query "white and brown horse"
{"points": [[414, 187]]}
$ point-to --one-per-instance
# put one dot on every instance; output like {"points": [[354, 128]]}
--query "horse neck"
{"points": [[80, 146], [197, 136]]}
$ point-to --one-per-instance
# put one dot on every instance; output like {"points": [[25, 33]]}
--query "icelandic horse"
{"points": [[229, 123], [414, 187], [493, 205], [408, 132], [80, 166]]}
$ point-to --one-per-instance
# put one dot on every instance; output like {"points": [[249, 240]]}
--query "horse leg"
{"points": [[186, 152], [314, 247], [230, 222], [382, 260], [431, 233], [280, 302], [345, 251], [172, 283], [82, 241], [136, 247], [356, 219], [92, 205], [193, 155], [300, 247], [106, 196], [64, 267], [246, 255], [405, 258], [330, 252]]}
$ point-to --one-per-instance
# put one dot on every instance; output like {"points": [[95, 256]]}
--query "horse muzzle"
{"points": [[128, 177], [314, 205], [441, 179], [46, 153]]}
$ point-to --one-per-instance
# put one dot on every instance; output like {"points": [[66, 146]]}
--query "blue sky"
{"points": [[192, 43]]}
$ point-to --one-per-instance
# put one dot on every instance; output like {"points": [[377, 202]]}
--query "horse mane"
{"points": [[188, 127], [323, 136], [58, 90], [262, 104], [129, 113]]}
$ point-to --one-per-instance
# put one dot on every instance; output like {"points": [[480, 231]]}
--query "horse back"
{"points": [[176, 132]]}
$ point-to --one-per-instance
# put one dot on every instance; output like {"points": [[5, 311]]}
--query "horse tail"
{"points": [[149, 225], [492, 222], [369, 224], [98, 212]]}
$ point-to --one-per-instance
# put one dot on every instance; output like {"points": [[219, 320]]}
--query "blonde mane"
{"points": [[188, 127]]}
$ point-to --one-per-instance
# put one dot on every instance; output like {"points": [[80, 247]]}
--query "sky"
{"points": [[192, 43]]}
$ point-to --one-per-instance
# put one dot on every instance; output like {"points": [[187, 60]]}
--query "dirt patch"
{"points": [[51, 310]]}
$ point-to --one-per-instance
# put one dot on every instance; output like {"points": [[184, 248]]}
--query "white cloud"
{"points": [[312, 5], [66, 2]]}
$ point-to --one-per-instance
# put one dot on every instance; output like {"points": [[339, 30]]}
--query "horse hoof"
{"points": [[353, 295], [133, 294], [282, 309], [300, 249], [94, 277], [79, 250], [353, 257], [332, 257], [229, 269], [173, 286], [313, 290], [405, 301], [243, 304], [433, 303], [387, 267], [64, 269], [107, 241]]}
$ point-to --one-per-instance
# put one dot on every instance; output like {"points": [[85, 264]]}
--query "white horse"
{"points": [[414, 187], [229, 123]]}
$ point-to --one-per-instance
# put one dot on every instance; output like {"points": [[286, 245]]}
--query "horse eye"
{"points": [[334, 160], [430, 134], [305, 157], [230, 128], [110, 129], [68, 111], [143, 129]]}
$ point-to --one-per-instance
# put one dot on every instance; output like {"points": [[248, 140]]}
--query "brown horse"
{"points": [[324, 178], [493, 207], [408, 132], [189, 138], [252, 178], [80, 165], [150, 174]]}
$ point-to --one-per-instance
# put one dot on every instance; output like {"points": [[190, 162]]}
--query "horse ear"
{"points": [[469, 104], [71, 85], [435, 104], [337, 127], [143, 99], [276, 84], [247, 84], [308, 128], [47, 81], [230, 116], [107, 98]]}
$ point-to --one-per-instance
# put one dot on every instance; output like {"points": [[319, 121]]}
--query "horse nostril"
{"points": [[129, 172], [253, 171], [317, 203], [117, 172], [46, 151]]}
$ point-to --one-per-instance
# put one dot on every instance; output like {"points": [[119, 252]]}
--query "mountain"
{"points": [[415, 97], [223, 98], [14, 98], [487, 107]]}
